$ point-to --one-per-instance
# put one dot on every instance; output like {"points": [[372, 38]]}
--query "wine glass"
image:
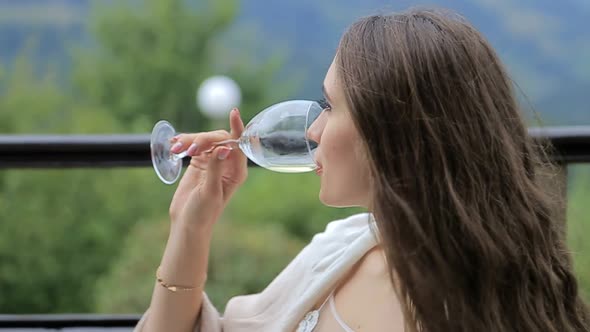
{"points": [[274, 139]]}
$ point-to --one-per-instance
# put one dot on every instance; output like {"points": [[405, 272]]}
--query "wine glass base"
{"points": [[167, 168]]}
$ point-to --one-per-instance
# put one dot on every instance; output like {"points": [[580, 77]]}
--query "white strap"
{"points": [[326, 300], [337, 317]]}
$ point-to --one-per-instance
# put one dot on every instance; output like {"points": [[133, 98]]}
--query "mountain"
{"points": [[545, 43]]}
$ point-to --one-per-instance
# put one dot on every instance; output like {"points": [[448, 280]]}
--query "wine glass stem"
{"points": [[225, 142], [177, 156]]}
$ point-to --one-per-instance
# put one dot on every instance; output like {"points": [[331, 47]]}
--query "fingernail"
{"points": [[176, 147], [191, 149], [223, 153]]}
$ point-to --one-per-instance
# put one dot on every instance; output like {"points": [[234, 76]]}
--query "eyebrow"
{"points": [[326, 94]]}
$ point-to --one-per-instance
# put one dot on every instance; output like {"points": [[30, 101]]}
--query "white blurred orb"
{"points": [[217, 95]]}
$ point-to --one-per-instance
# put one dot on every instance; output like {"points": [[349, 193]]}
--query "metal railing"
{"points": [[76, 151], [71, 321], [572, 145]]}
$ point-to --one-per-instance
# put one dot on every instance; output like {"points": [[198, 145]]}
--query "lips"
{"points": [[319, 168]]}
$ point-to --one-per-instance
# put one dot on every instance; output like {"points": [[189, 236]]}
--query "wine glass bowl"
{"points": [[275, 139]]}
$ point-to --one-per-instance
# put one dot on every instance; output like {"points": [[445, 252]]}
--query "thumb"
{"points": [[215, 169]]}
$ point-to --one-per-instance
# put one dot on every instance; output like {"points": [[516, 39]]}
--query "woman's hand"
{"points": [[211, 178], [201, 196]]}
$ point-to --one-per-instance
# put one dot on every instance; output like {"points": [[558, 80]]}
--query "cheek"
{"points": [[339, 144], [345, 180], [334, 146]]}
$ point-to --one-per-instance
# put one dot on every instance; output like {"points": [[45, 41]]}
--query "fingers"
{"points": [[235, 123], [213, 182], [194, 144], [240, 163]]}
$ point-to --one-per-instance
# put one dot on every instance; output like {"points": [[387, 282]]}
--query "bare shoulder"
{"points": [[366, 300]]}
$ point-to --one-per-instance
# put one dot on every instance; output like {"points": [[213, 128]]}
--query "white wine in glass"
{"points": [[275, 138]]}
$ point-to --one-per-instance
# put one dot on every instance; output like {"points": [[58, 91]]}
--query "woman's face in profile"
{"points": [[343, 169]]}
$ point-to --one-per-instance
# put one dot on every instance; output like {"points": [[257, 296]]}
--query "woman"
{"points": [[422, 128]]}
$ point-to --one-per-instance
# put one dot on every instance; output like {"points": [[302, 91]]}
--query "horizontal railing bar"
{"points": [[572, 145], [76, 151], [58, 321]]}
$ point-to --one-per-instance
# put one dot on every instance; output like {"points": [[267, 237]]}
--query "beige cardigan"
{"points": [[295, 291]]}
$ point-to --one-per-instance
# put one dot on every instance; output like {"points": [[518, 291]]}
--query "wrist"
{"points": [[202, 226], [185, 258], [191, 234], [199, 285]]}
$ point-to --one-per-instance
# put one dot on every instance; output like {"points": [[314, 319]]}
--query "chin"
{"points": [[333, 200], [327, 199]]}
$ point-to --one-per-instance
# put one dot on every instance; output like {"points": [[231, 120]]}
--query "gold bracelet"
{"points": [[173, 288]]}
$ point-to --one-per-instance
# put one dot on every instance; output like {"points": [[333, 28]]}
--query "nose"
{"points": [[314, 132]]}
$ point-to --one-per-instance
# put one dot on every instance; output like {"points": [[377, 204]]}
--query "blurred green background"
{"points": [[90, 240]]}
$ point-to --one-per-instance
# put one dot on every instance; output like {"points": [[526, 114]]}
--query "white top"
{"points": [[287, 299]]}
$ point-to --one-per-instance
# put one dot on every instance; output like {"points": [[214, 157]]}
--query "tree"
{"points": [[578, 225], [266, 224], [154, 55], [62, 229]]}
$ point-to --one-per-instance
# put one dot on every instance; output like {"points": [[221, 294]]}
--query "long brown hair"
{"points": [[468, 230]]}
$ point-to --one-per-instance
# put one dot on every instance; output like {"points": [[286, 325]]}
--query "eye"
{"points": [[324, 104]]}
